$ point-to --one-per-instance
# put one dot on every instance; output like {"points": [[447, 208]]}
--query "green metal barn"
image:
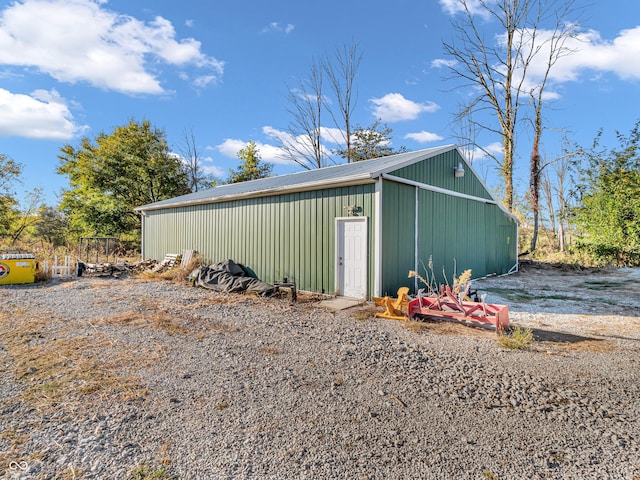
{"points": [[353, 230]]}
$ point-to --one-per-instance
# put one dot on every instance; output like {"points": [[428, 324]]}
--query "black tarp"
{"points": [[229, 276]]}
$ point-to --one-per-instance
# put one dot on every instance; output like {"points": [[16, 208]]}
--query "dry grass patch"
{"points": [[364, 313], [271, 350], [56, 369], [221, 327], [216, 299], [443, 327], [154, 319], [179, 274], [416, 326]]}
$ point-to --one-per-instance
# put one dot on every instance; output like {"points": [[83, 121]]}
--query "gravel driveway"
{"points": [[118, 379]]}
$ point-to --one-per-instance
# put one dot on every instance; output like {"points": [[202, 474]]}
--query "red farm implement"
{"points": [[448, 306]]}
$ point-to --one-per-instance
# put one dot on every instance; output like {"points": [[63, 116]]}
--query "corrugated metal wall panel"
{"points": [[290, 235], [453, 232], [398, 232], [457, 233], [438, 171]]}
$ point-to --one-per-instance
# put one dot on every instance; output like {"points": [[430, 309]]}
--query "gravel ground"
{"points": [[152, 379]]}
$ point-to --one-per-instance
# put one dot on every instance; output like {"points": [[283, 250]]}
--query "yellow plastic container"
{"points": [[17, 268]]}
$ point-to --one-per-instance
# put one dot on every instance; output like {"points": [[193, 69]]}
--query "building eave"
{"points": [[281, 190]]}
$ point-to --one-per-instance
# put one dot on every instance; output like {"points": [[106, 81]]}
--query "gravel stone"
{"points": [[244, 387]]}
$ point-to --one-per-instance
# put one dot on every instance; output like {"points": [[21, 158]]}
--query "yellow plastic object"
{"points": [[394, 307], [17, 268]]}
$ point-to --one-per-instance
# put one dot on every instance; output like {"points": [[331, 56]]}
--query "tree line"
{"points": [[590, 196], [584, 199]]}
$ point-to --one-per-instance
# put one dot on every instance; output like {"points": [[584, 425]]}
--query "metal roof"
{"points": [[338, 175]]}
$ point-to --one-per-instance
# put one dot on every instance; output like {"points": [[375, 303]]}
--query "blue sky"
{"points": [[74, 68]]}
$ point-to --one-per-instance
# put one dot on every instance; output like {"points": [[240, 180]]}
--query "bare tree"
{"points": [[466, 133], [28, 215], [189, 151], [556, 194], [499, 70], [304, 142], [563, 169], [547, 196], [555, 47], [341, 73]]}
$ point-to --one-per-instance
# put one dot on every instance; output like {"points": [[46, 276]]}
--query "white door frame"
{"points": [[339, 281]]}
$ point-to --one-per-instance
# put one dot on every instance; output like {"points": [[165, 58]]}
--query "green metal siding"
{"points": [[438, 171], [456, 233], [398, 235], [291, 235], [460, 234]]}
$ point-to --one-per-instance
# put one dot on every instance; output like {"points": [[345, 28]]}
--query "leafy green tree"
{"points": [[609, 210], [251, 168], [26, 216], [10, 172], [117, 172], [373, 141], [51, 225]]}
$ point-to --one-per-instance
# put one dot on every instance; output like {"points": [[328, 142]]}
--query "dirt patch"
{"points": [[571, 308]]}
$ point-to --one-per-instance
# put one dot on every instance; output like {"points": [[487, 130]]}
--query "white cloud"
{"points": [[210, 169], [452, 7], [496, 149], [393, 107], [591, 52], [268, 153], [41, 115], [424, 137], [584, 53], [276, 27], [230, 147], [301, 143], [53, 36], [205, 164], [443, 62], [204, 80]]}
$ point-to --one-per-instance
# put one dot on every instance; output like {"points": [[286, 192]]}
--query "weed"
{"points": [[517, 338], [489, 475], [416, 326], [163, 454], [360, 316], [144, 472], [364, 313], [223, 405], [71, 473]]}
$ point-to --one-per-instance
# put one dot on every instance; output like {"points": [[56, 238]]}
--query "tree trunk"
{"points": [[534, 192], [534, 170]]}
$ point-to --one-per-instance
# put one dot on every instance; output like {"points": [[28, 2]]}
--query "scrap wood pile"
{"points": [[114, 269], [117, 269]]}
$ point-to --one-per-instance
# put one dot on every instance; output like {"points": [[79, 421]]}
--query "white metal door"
{"points": [[351, 256]]}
